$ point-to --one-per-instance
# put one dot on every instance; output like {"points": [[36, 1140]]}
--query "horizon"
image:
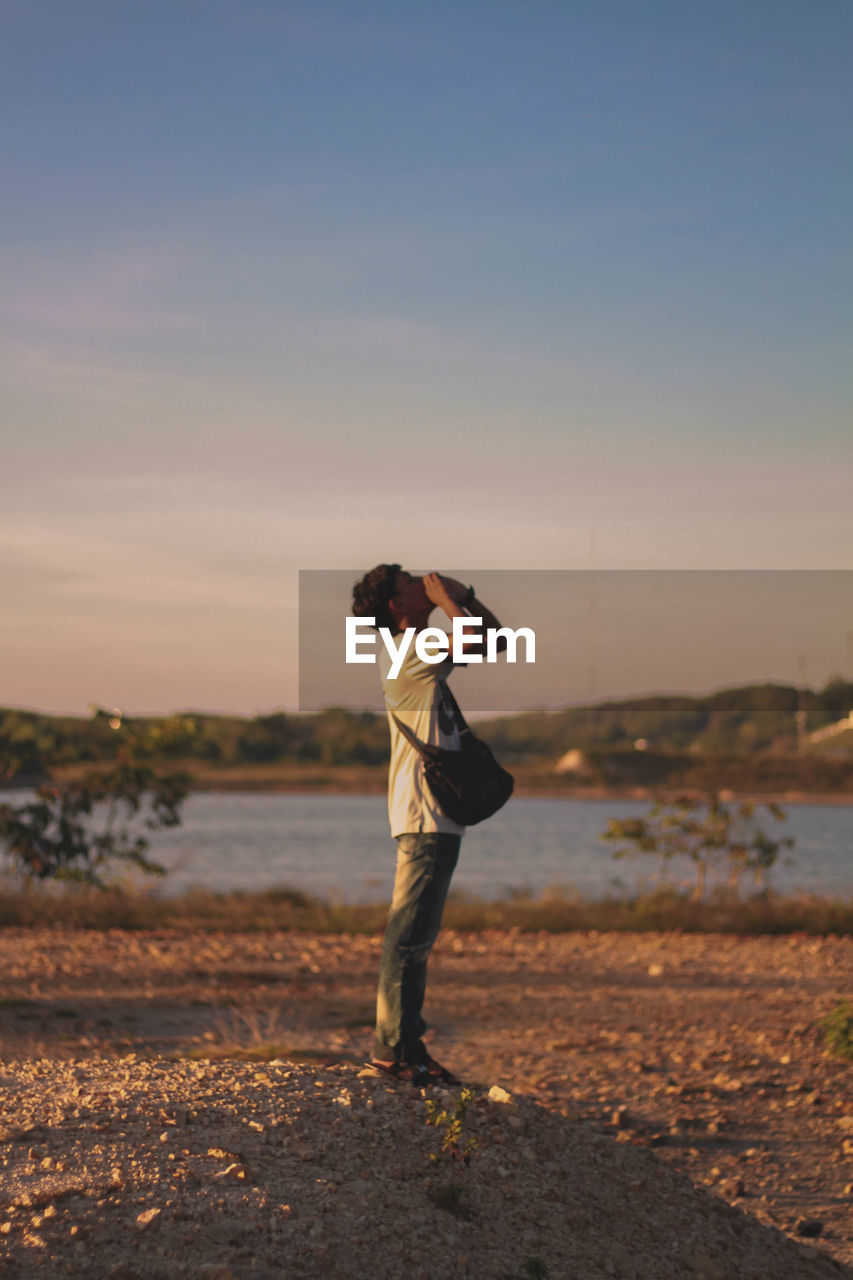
{"points": [[814, 690]]}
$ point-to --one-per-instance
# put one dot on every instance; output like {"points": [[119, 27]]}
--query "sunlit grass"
{"points": [[270, 910], [257, 1033]]}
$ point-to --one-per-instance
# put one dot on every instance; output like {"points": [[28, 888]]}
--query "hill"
{"points": [[684, 740]]}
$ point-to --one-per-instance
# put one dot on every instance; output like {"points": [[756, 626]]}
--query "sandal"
{"points": [[413, 1073], [436, 1073]]}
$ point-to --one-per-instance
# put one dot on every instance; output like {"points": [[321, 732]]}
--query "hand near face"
{"points": [[438, 589]]}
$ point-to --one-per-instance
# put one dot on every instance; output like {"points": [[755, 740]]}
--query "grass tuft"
{"points": [[450, 1197], [837, 1028]]}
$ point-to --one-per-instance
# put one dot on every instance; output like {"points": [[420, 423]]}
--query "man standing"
{"points": [[427, 840]]}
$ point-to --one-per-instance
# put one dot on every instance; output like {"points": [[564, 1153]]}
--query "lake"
{"points": [[339, 847]]}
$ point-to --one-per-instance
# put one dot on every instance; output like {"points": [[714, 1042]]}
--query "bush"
{"points": [[711, 834], [76, 831]]}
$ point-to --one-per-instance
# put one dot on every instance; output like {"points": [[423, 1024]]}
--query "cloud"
{"points": [[97, 571], [108, 293], [20, 570], [59, 369], [100, 619]]}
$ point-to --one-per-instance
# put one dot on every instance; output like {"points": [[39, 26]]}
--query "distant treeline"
{"points": [[742, 722], [35, 743]]}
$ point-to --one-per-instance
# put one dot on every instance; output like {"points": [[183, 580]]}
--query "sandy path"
{"points": [[705, 1049]]}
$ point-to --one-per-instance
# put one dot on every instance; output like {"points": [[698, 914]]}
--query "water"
{"points": [[339, 847]]}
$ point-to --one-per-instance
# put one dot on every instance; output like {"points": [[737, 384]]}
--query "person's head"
{"points": [[392, 596]]}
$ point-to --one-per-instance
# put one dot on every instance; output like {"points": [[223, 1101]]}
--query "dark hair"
{"points": [[370, 596]]}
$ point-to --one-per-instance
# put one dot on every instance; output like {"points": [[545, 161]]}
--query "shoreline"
{"points": [[534, 793], [244, 784], [532, 781], [523, 791]]}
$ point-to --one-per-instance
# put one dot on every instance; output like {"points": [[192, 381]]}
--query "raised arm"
{"points": [[449, 595]]}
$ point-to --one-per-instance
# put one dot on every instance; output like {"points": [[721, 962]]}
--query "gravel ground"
{"points": [[673, 1111]]}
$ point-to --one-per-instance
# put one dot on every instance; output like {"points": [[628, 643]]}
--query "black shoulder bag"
{"points": [[469, 784]]}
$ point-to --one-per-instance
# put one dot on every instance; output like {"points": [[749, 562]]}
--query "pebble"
{"points": [[733, 1188], [234, 1173], [498, 1094]]}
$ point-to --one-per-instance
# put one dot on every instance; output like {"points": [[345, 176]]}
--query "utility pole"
{"points": [[592, 635], [801, 715]]}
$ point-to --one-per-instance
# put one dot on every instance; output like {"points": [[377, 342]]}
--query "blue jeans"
{"points": [[425, 864]]}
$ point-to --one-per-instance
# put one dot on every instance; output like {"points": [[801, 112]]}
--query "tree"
{"points": [[75, 831], [710, 833], [837, 699]]}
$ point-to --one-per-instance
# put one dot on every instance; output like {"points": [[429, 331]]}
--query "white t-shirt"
{"points": [[418, 697]]}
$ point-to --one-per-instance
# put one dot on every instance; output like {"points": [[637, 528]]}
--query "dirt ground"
{"points": [[704, 1048]]}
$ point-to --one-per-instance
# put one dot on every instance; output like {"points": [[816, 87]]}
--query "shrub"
{"points": [[76, 831], [708, 832]]}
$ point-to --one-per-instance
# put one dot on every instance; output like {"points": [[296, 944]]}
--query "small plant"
{"points": [[837, 1028], [535, 1269], [455, 1142], [711, 834], [458, 1145]]}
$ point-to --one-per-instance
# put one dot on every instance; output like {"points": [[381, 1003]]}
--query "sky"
{"points": [[289, 286], [597, 635]]}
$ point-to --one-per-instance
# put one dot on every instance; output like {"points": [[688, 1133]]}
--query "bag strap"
{"points": [[461, 722], [426, 749], [423, 748]]}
